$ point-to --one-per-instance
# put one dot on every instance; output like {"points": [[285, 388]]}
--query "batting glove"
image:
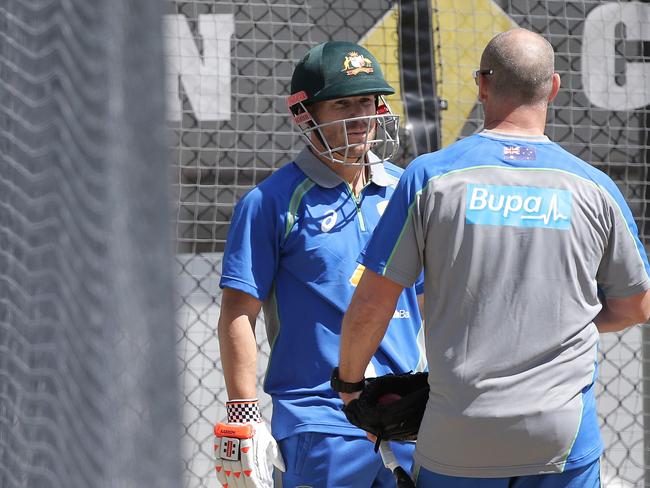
{"points": [[244, 449]]}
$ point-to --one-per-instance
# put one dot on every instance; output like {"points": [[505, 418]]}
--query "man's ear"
{"points": [[482, 89], [556, 87]]}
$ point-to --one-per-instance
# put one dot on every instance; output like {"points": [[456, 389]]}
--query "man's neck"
{"points": [[356, 175], [523, 121]]}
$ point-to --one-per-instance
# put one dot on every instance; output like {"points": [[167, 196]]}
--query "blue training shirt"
{"points": [[293, 243]]}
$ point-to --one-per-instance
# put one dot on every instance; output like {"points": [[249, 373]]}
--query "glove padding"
{"points": [[391, 407], [245, 452]]}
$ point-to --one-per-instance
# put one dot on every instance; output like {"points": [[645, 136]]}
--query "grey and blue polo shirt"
{"points": [[517, 239]]}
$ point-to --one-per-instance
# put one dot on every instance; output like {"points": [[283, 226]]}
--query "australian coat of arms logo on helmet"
{"points": [[356, 63]]}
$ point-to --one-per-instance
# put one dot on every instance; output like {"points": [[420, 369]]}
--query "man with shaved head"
{"points": [[528, 254], [521, 66]]}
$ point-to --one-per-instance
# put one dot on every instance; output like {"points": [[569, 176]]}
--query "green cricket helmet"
{"points": [[334, 70]]}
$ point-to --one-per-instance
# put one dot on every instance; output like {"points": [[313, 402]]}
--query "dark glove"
{"points": [[391, 406]]}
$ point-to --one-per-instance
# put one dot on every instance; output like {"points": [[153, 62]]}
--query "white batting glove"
{"points": [[244, 449]]}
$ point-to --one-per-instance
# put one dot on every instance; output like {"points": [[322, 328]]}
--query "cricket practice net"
{"points": [[229, 66], [92, 362], [88, 377]]}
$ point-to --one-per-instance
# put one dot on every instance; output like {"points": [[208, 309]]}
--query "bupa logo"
{"points": [[518, 206]]}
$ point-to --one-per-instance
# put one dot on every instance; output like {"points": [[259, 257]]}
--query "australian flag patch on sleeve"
{"points": [[519, 153]]}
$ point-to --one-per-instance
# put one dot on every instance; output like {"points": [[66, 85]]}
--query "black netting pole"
{"points": [[418, 74]]}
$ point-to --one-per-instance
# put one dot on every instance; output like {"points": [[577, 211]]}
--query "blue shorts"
{"points": [[324, 461], [585, 477]]}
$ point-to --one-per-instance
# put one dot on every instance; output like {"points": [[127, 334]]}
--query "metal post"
{"points": [[418, 73]]}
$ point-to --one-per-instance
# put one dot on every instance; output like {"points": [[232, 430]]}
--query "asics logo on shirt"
{"points": [[329, 221], [518, 206]]}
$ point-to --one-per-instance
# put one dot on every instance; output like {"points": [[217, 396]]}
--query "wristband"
{"points": [[242, 411], [341, 386]]}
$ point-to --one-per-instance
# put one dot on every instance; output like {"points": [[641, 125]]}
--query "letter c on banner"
{"points": [[599, 56]]}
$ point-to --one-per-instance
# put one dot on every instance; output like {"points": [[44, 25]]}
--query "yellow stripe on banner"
{"points": [[383, 42], [464, 28]]}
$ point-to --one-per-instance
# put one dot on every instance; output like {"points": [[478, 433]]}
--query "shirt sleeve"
{"points": [[396, 247], [624, 269], [250, 259]]}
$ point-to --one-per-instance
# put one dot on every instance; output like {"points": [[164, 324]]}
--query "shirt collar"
{"points": [[509, 137], [323, 176]]}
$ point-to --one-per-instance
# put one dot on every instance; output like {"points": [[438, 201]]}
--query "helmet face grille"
{"points": [[381, 136]]}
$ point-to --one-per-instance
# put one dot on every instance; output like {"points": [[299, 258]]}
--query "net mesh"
{"points": [[85, 332], [217, 160], [86, 315]]}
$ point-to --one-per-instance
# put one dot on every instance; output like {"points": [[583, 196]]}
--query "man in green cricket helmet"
{"points": [[292, 250]]}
